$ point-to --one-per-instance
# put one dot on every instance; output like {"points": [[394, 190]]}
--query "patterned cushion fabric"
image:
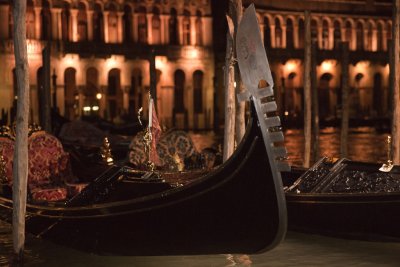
{"points": [[173, 147], [7, 151], [49, 194]]}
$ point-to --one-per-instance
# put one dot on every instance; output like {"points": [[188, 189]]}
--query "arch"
{"points": [[156, 26], [349, 32], [337, 34], [314, 29], [173, 27], [360, 35], [199, 28], [114, 94], [301, 33], [98, 23], [379, 37], [278, 33], [289, 34], [112, 23], [179, 82], [65, 23], [186, 28], [324, 96], [45, 21], [267, 33], [198, 78], [127, 22], [71, 102], [142, 25], [325, 34], [82, 22]]}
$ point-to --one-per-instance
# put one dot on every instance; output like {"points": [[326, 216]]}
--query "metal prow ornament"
{"points": [[105, 152], [388, 166]]}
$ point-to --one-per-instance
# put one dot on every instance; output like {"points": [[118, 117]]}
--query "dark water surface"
{"points": [[296, 250]]}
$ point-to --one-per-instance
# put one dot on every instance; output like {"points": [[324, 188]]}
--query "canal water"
{"points": [[298, 249]]}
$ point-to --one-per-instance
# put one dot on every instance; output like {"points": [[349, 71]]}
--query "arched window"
{"points": [[360, 36], [314, 30], [267, 33], [90, 91], [325, 108], [30, 21], [179, 81], [325, 35], [186, 27], [127, 18], [379, 38], [114, 94], [112, 24], [289, 34], [82, 22], [173, 28], [65, 24], [71, 101], [198, 91], [278, 33], [45, 21], [337, 35], [199, 28], [301, 33], [156, 26], [98, 23]]}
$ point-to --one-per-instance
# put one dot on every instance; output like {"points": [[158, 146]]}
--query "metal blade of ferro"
{"points": [[254, 67]]}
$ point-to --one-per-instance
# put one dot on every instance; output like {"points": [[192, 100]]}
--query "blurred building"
{"points": [[364, 24], [100, 54]]}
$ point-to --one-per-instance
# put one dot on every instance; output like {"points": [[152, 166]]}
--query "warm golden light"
{"points": [[327, 66], [161, 61], [99, 96], [290, 66]]}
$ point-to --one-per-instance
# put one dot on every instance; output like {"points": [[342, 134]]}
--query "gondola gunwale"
{"points": [[162, 196]]}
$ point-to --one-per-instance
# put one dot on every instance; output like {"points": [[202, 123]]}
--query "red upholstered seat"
{"points": [[49, 175]]}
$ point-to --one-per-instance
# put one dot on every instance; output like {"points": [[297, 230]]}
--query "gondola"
{"points": [[238, 207], [345, 198]]}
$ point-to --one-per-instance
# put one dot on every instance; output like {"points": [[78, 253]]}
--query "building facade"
{"points": [[366, 26], [100, 52]]}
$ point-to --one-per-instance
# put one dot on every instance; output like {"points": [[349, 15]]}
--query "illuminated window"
{"points": [[112, 25], [82, 22]]}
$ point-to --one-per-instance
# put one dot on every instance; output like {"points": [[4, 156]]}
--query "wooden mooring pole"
{"points": [[396, 80], [20, 165], [307, 90]]}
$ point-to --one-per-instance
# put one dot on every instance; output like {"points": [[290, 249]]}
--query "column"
{"points": [[149, 17], [283, 36], [4, 34], [166, 29], [37, 22], [331, 38], [365, 39], [89, 14], [384, 40], [296, 34], [105, 15], [273, 42], [193, 40], [353, 43], [120, 27], [262, 28], [74, 24], [319, 36], [180, 29], [135, 27], [162, 29]]}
